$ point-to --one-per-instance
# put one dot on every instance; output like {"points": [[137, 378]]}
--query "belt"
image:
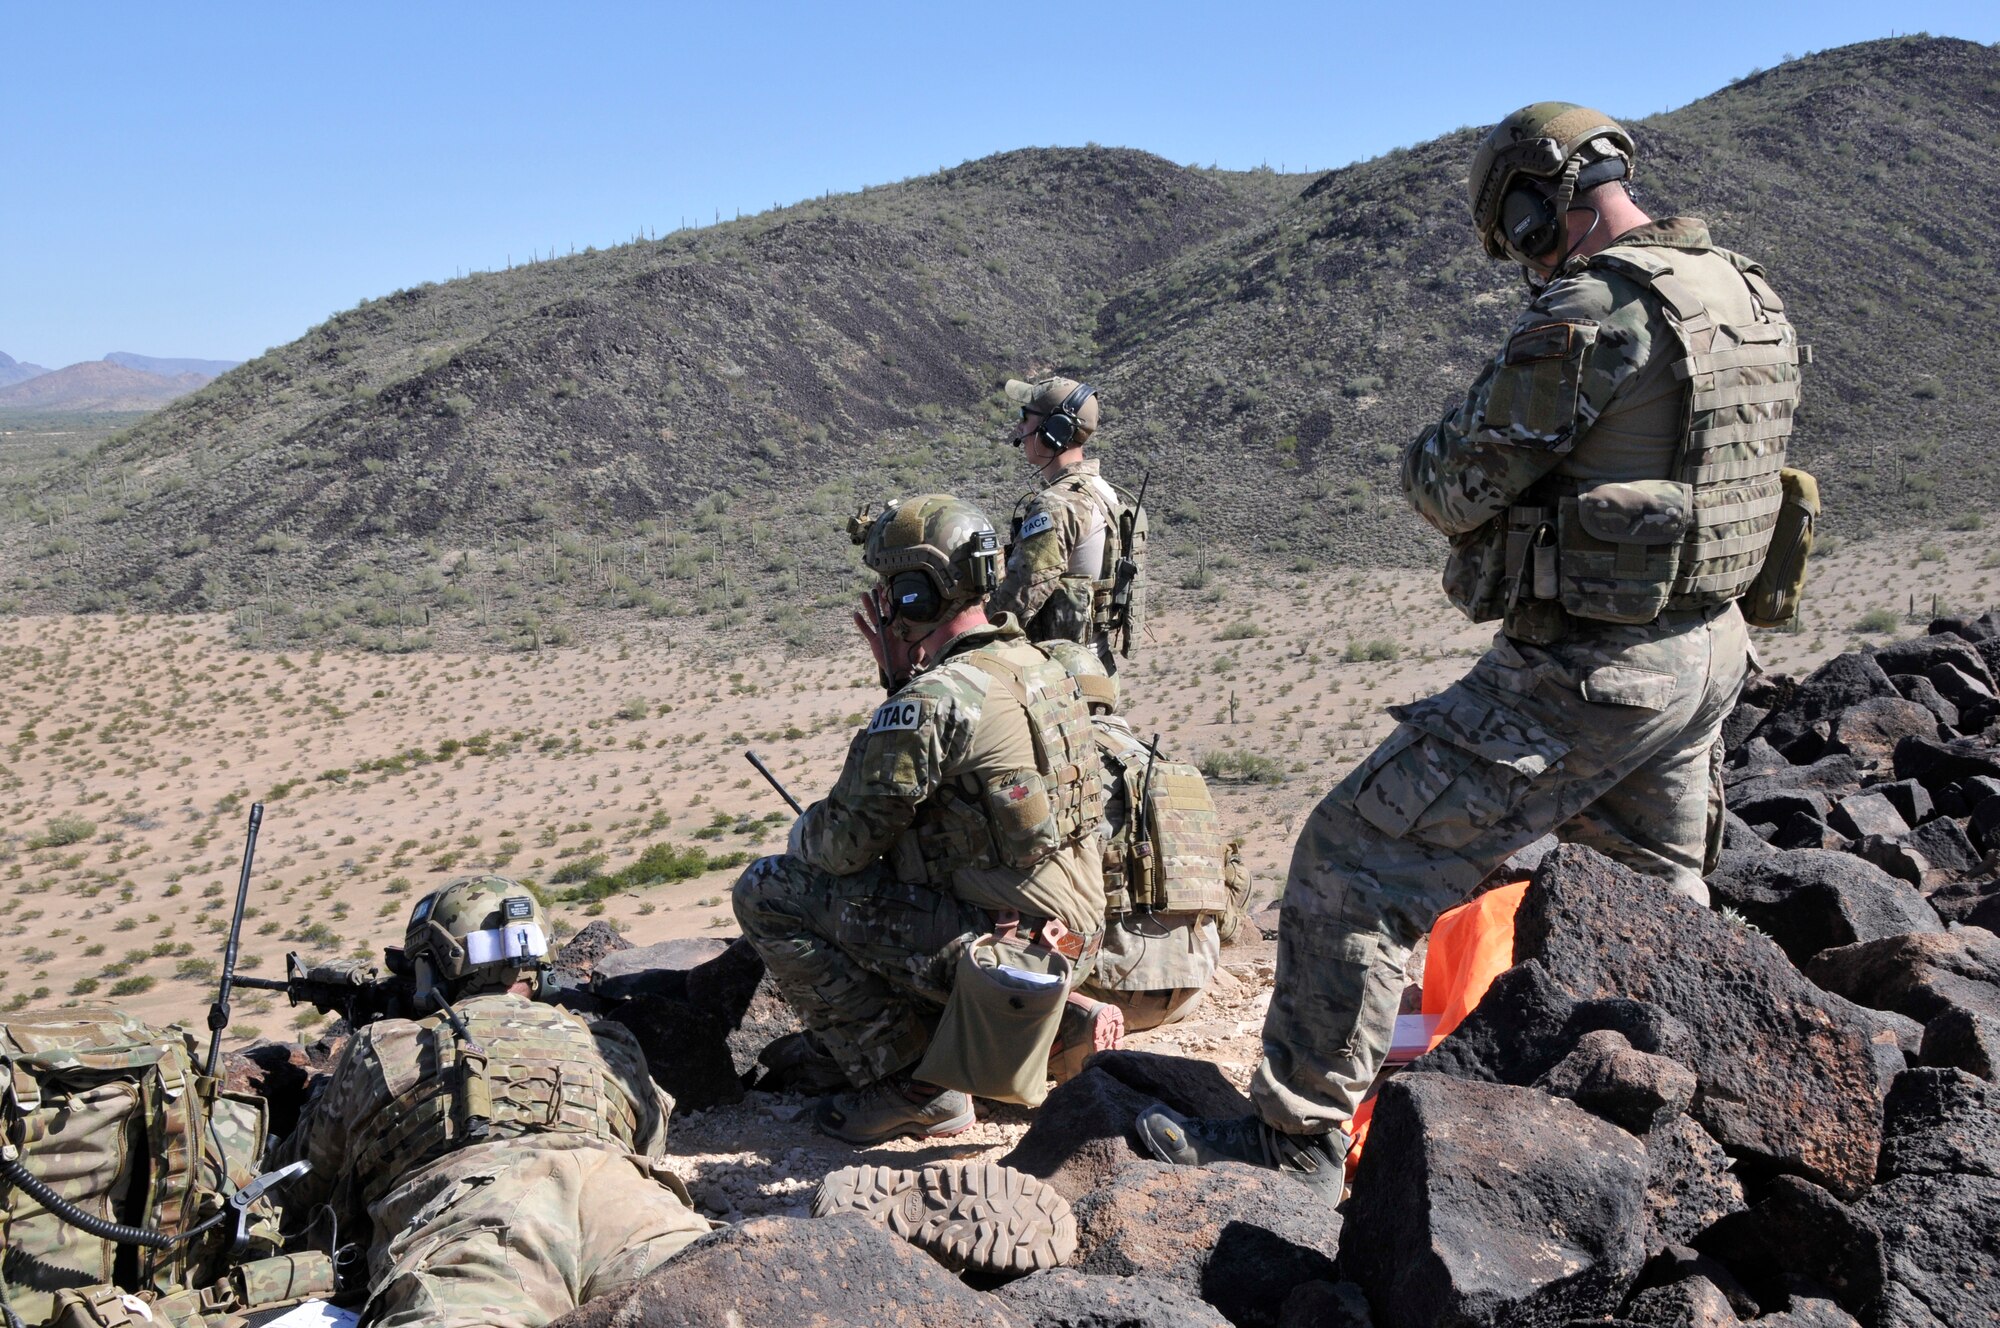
{"points": [[1031, 930]]}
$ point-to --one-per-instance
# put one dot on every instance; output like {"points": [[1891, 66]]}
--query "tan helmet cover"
{"points": [[1099, 688], [1045, 396], [1546, 141], [483, 928], [947, 539]]}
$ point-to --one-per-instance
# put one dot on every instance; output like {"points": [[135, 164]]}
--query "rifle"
{"points": [[1128, 568], [352, 988], [218, 1013], [1143, 848], [772, 780]]}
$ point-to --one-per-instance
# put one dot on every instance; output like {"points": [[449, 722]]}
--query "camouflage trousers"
{"points": [[866, 960], [1605, 738], [1155, 966], [516, 1233]]}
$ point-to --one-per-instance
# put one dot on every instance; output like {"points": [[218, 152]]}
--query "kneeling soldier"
{"points": [[957, 848]]}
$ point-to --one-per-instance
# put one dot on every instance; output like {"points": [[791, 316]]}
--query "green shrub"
{"points": [[132, 986], [62, 831], [1878, 620], [1377, 650], [1969, 521], [1241, 631], [1240, 767]]}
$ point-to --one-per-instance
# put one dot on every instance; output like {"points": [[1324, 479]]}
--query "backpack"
{"points": [[1170, 856], [112, 1114]]}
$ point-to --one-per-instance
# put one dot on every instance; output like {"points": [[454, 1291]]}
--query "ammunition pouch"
{"points": [[1773, 598], [994, 1036], [1165, 850]]}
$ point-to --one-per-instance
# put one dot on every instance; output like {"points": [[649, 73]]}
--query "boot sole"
{"points": [[979, 1216]]}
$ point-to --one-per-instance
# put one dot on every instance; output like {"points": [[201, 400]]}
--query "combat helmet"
{"points": [[1529, 166], [936, 554], [1068, 409], [1099, 688], [477, 933]]}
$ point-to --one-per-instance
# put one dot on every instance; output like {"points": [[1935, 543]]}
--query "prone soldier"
{"points": [[1076, 552], [500, 1153], [1610, 485]]}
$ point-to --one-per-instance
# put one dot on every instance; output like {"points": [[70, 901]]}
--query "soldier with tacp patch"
{"points": [[1613, 485], [954, 856], [501, 1155], [1075, 559]]}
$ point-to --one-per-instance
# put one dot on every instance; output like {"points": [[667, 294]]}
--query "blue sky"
{"points": [[212, 179]]}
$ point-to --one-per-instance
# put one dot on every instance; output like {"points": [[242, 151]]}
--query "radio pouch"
{"points": [[1773, 598], [994, 1037]]}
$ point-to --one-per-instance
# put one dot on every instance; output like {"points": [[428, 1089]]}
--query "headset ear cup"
{"points": [[1059, 429]]}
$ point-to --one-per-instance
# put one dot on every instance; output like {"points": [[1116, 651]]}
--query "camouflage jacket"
{"points": [[383, 1114], [934, 747], [1065, 544]]}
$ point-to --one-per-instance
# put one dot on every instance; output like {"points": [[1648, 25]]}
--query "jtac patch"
{"points": [[897, 716], [1550, 341], [1039, 523]]}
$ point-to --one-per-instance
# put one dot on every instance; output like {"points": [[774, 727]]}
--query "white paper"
{"points": [[315, 1314]]}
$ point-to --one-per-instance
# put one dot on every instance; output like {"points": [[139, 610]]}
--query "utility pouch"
{"points": [[1023, 819], [283, 1279], [1773, 598], [994, 1037], [1619, 548]]}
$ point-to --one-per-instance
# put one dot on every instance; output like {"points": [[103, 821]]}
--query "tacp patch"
{"points": [[1038, 524], [1550, 341], [897, 716]]}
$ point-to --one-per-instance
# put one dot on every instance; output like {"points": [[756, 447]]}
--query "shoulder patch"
{"points": [[1038, 524], [897, 716], [1550, 341]]}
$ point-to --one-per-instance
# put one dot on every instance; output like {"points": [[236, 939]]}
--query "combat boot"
{"points": [[892, 1108], [977, 1216], [1318, 1160]]}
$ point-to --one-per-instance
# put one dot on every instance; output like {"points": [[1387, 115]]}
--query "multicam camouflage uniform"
{"points": [[560, 1203], [862, 920], [1602, 731], [1060, 569]]}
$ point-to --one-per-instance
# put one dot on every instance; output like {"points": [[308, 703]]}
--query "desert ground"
{"points": [[133, 748]]}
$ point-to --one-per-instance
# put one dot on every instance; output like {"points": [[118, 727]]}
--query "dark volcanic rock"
{"points": [[1870, 731], [1807, 832], [1798, 1239], [1916, 687], [1525, 1024], [1065, 1298], [1778, 806], [1836, 775], [1972, 903], [1241, 1238], [1938, 1123], [1911, 800], [1941, 1236], [1326, 1305], [1742, 837], [1919, 654], [1945, 846], [1786, 1077], [1693, 1302], [1740, 724], [1963, 1039], [279, 1073], [1919, 975], [1973, 698], [1810, 1312], [1813, 900], [1842, 682], [1982, 628], [795, 1272], [1859, 815], [1634, 1090], [1488, 1204], [653, 970], [1678, 1263], [703, 1047], [1983, 827], [1936, 764], [1083, 1137], [580, 953], [1689, 1184]]}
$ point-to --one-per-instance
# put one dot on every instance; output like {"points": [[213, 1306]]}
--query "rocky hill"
{"points": [[676, 426], [14, 371]]}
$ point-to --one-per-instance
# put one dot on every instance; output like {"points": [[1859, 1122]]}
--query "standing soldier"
{"points": [[968, 806], [1609, 485], [1074, 563], [500, 1154]]}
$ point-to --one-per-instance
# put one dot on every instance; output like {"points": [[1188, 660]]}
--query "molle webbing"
{"points": [[1171, 857], [541, 1077], [1065, 750]]}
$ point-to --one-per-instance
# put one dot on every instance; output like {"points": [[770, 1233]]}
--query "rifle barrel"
{"points": [[772, 780], [218, 1013]]}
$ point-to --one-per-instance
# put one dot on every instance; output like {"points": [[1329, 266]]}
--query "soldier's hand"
{"points": [[869, 618]]}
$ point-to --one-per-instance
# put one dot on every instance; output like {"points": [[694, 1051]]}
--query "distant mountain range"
{"points": [[121, 381]]}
